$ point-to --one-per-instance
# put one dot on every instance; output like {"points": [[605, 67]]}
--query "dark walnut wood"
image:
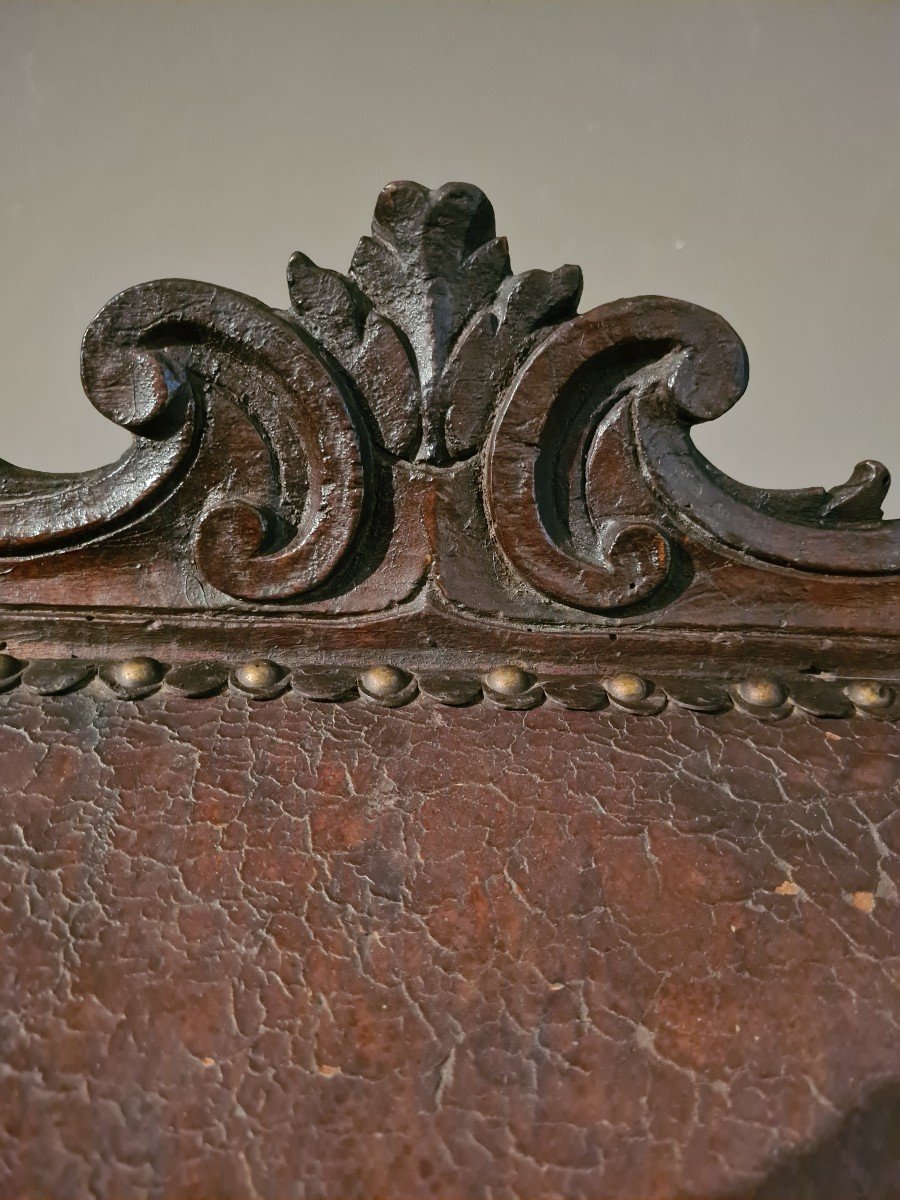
{"points": [[424, 774]]}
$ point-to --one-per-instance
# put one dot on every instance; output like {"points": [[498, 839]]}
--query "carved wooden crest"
{"points": [[437, 469]]}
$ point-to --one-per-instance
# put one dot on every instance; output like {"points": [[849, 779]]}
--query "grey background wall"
{"points": [[739, 153]]}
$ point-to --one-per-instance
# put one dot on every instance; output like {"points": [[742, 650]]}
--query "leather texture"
{"points": [[296, 950]]}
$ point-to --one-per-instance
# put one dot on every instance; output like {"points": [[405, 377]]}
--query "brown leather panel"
{"points": [[267, 951]]}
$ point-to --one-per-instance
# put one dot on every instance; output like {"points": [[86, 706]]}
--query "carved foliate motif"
{"points": [[431, 323], [428, 425]]}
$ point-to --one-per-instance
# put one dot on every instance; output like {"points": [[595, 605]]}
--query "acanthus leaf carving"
{"points": [[366, 396], [366, 344], [496, 342], [430, 322]]}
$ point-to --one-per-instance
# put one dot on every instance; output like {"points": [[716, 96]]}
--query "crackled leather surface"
{"points": [[258, 952]]}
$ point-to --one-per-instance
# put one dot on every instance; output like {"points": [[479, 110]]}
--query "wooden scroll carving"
{"points": [[437, 465]]}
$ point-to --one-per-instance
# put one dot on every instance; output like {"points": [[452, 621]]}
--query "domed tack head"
{"points": [[383, 681], [626, 689], [869, 694], [761, 693], [133, 673], [257, 676], [8, 666], [507, 681]]}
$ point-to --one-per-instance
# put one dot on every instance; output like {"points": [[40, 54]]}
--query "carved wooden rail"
{"points": [[434, 435]]}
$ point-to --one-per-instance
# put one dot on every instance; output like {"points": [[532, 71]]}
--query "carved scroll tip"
{"points": [[861, 497], [156, 385]]}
